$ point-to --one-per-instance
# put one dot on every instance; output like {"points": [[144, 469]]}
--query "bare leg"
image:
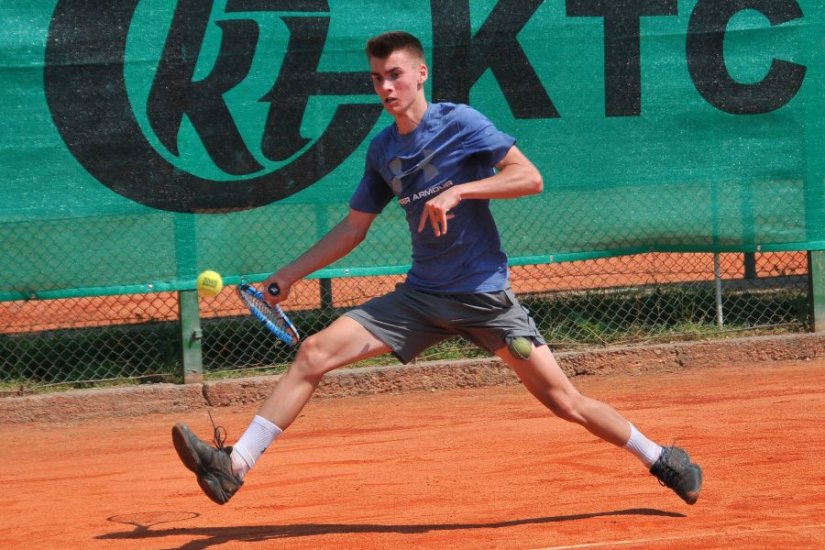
{"points": [[342, 343], [543, 377]]}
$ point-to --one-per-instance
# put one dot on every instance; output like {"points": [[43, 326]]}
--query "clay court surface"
{"points": [[473, 468]]}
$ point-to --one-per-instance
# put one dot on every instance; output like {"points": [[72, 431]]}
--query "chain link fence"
{"points": [[643, 298], [143, 146]]}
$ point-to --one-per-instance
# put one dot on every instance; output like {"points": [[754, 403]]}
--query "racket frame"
{"points": [[290, 336]]}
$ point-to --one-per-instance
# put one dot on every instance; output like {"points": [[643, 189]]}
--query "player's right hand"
{"points": [[283, 285]]}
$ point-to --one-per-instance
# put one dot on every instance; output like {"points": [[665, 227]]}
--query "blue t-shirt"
{"points": [[453, 144]]}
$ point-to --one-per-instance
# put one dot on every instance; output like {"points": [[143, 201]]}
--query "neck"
{"points": [[409, 120]]}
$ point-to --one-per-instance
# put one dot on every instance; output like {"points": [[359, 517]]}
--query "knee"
{"points": [[312, 361], [568, 407]]}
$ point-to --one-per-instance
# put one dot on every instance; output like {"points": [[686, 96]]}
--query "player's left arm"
{"points": [[516, 177]]}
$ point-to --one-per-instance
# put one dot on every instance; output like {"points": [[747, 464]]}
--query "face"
{"points": [[398, 80]]}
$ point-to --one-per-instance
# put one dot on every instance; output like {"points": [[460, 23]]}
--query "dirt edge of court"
{"points": [[422, 376]]}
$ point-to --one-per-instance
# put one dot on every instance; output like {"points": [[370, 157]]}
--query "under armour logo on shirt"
{"points": [[424, 165]]}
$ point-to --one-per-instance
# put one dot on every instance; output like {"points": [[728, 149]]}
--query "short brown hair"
{"points": [[384, 44]]}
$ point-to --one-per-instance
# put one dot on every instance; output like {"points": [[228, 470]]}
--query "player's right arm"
{"points": [[337, 243]]}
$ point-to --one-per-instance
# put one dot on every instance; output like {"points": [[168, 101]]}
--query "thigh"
{"points": [[343, 342], [540, 373]]}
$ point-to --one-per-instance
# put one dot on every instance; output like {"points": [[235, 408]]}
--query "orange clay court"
{"points": [[473, 468]]}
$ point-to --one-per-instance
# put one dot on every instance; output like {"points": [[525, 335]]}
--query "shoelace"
{"points": [[218, 431], [670, 475]]}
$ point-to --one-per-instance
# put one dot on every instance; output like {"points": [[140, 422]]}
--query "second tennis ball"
{"points": [[209, 283], [520, 347]]}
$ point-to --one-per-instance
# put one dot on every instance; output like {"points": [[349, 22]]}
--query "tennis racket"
{"points": [[272, 317]]}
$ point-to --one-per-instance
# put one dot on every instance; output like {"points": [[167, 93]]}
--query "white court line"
{"points": [[611, 544]]}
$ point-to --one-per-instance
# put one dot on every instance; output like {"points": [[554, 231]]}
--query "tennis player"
{"points": [[443, 163]]}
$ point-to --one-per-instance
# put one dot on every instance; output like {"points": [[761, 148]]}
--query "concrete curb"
{"points": [[170, 398]]}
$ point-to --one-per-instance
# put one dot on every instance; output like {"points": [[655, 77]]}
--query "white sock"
{"points": [[258, 436], [644, 449]]}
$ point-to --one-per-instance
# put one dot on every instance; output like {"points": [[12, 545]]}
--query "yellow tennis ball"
{"points": [[520, 347], [209, 283]]}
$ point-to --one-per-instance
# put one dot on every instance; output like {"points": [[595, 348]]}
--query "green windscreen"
{"points": [[146, 141]]}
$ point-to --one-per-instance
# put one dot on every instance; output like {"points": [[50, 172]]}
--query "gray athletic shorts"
{"points": [[410, 321]]}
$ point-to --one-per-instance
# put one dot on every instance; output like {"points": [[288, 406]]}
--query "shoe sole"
{"points": [[186, 453], [210, 485], [693, 496]]}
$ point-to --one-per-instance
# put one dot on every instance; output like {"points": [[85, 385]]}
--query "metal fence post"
{"points": [[326, 294], [321, 228], [816, 285], [750, 265], [717, 279], [190, 337]]}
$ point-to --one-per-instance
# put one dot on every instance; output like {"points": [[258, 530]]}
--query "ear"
{"points": [[423, 73]]}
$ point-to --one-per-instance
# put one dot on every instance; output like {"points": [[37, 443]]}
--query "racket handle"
{"points": [[273, 289]]}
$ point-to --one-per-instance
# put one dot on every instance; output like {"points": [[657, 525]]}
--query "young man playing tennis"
{"points": [[443, 162]]}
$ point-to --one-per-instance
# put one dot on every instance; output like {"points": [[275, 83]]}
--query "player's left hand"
{"points": [[437, 212]]}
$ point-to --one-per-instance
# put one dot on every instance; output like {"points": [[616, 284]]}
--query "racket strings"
{"points": [[271, 315]]}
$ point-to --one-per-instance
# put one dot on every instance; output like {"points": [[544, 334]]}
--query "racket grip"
{"points": [[273, 289]]}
